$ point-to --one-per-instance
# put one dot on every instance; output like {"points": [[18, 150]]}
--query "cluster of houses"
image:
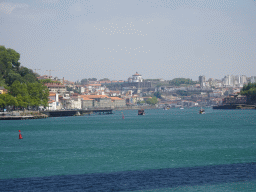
{"points": [[92, 96], [95, 94]]}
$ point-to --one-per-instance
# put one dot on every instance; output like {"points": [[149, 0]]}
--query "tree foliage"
{"points": [[23, 87], [10, 69], [104, 79], [182, 81], [158, 95], [250, 91], [44, 81], [84, 81], [152, 101], [92, 79]]}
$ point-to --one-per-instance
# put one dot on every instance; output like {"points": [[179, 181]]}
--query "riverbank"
{"points": [[134, 108], [22, 115], [234, 106]]}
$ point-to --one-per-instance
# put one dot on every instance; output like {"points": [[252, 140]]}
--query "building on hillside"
{"points": [[53, 103], [202, 80], [56, 88], [136, 78], [137, 84]]}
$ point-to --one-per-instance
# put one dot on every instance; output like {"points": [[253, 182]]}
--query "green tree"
{"points": [[152, 101], [12, 76], [104, 79], [2, 103], [84, 81], [22, 84], [158, 95], [14, 58], [38, 94], [182, 81], [5, 62], [21, 102], [92, 79], [18, 88], [2, 82], [44, 81], [11, 101], [140, 102], [250, 91]]}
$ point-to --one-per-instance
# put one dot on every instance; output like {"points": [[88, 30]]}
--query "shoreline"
{"points": [[235, 106]]}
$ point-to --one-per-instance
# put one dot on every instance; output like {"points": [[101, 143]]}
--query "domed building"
{"points": [[135, 84], [137, 78]]}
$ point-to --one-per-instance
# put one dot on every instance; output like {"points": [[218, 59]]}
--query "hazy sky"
{"points": [[115, 38]]}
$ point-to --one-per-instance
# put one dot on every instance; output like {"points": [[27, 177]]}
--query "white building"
{"points": [[137, 78]]}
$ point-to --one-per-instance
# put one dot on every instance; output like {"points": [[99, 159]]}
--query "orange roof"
{"points": [[104, 81], [87, 99], [52, 94], [94, 96], [95, 84], [115, 98]]}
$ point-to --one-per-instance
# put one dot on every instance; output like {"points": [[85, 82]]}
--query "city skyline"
{"points": [[84, 39]]}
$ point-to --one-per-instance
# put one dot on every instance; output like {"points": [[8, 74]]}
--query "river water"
{"points": [[165, 150]]}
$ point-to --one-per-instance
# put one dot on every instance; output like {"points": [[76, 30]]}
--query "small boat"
{"points": [[201, 111], [166, 108], [141, 112], [181, 108]]}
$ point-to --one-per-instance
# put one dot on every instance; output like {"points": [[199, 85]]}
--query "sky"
{"points": [[114, 39]]}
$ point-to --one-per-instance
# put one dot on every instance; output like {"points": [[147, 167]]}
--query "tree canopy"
{"points": [[23, 87], [10, 69], [182, 81], [44, 81], [250, 91], [104, 79], [152, 101], [158, 95]]}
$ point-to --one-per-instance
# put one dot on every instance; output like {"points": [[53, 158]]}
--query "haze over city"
{"points": [[79, 39]]}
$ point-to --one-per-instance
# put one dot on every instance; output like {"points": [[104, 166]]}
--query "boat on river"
{"points": [[141, 112], [201, 111]]}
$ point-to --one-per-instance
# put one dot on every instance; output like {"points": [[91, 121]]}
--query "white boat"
{"points": [[201, 111]]}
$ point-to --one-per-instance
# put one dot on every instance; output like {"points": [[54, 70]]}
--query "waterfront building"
{"points": [[101, 101]]}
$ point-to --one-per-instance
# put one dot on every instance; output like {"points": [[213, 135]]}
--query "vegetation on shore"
{"points": [[250, 91], [24, 90]]}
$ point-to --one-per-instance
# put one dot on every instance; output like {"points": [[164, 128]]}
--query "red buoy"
{"points": [[20, 136]]}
